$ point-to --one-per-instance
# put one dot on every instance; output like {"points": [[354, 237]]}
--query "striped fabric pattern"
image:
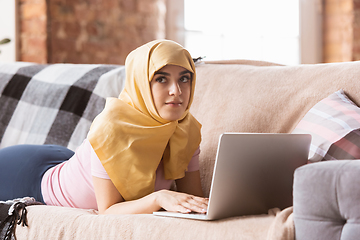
{"points": [[334, 124], [53, 103]]}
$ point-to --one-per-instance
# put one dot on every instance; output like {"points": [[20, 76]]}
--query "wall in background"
{"points": [[33, 31], [341, 30], [356, 31], [311, 35], [105, 31], [97, 31]]}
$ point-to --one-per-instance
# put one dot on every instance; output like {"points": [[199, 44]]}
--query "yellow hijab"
{"points": [[129, 136]]}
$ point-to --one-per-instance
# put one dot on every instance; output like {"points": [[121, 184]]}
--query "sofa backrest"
{"points": [[250, 96]]}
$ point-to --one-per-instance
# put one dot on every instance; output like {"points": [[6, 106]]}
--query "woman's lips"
{"points": [[173, 104]]}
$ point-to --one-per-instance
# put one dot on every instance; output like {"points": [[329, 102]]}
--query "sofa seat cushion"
{"points": [[50, 222], [326, 200]]}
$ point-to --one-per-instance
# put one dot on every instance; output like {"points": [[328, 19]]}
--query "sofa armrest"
{"points": [[326, 200]]}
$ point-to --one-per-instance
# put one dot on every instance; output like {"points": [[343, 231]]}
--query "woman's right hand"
{"points": [[181, 202]]}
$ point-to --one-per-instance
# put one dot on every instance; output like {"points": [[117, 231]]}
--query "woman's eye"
{"points": [[161, 79], [185, 79]]}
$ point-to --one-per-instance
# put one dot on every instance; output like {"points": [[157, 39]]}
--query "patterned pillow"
{"points": [[334, 124]]}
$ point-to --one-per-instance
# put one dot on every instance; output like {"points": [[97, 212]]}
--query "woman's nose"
{"points": [[175, 89]]}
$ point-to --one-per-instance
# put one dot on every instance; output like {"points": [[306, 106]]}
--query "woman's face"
{"points": [[171, 89]]}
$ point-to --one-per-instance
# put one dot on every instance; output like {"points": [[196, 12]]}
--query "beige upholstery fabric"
{"points": [[48, 222], [282, 228], [248, 98]]}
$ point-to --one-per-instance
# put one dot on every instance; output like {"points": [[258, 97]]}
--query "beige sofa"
{"points": [[230, 96]]}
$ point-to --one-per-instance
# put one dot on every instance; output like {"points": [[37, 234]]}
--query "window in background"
{"points": [[7, 30], [241, 29]]}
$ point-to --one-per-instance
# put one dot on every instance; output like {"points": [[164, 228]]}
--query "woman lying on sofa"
{"points": [[136, 147]]}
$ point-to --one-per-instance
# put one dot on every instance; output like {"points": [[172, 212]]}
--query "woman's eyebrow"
{"points": [[185, 72], [168, 74], [163, 73]]}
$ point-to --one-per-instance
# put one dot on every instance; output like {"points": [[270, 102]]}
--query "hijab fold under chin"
{"points": [[130, 137]]}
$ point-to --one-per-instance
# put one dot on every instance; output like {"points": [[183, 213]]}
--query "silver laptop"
{"points": [[253, 173]]}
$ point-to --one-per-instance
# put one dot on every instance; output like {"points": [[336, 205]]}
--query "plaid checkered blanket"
{"points": [[53, 103]]}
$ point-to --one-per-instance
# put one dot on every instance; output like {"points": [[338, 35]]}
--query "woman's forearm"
{"points": [[147, 204], [166, 199]]}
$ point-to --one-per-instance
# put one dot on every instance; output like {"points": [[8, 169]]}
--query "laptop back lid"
{"points": [[254, 172]]}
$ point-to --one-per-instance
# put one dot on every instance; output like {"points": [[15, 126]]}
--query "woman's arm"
{"points": [[110, 201]]}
